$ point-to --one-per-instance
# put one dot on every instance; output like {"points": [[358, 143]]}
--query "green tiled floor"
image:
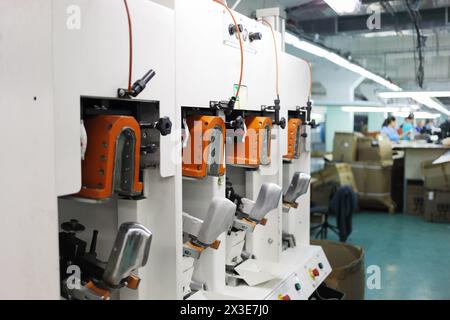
{"points": [[414, 255]]}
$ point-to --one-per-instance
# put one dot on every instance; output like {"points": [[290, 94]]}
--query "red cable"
{"points": [[240, 44], [130, 30]]}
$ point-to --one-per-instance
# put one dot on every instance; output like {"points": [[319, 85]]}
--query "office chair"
{"points": [[342, 205]]}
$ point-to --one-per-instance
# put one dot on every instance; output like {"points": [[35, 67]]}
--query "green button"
{"points": [[320, 265], [298, 287]]}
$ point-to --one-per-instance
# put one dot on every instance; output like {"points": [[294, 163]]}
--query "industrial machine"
{"points": [[93, 279], [124, 160]]}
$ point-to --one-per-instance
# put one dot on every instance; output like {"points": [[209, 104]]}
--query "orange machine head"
{"points": [[254, 150], [111, 163], [294, 135], [204, 153]]}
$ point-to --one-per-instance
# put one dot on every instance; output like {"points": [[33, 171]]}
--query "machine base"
{"points": [[300, 271]]}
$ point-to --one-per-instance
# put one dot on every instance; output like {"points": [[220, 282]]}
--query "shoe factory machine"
{"points": [[246, 149], [172, 165]]}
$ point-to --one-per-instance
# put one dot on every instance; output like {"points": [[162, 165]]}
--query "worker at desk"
{"points": [[408, 128], [389, 129]]}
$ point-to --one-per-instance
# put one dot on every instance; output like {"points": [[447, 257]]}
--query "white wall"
{"points": [[337, 121]]}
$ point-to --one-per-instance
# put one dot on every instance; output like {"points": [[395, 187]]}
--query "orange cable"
{"points": [[310, 79], [130, 31], [276, 57], [240, 44]]}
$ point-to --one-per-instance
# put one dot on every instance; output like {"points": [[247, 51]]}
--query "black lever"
{"points": [[278, 121], [137, 87]]}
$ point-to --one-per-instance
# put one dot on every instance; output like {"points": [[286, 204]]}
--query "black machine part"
{"points": [[237, 123], [255, 36], [226, 106], [304, 113], [163, 125], [276, 108], [137, 87]]}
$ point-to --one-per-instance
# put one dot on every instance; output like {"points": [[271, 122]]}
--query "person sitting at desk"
{"points": [[389, 129]]}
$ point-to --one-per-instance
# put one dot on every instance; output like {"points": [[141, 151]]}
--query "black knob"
{"points": [[232, 29], [282, 123], [255, 36], [164, 125], [72, 226], [304, 135]]}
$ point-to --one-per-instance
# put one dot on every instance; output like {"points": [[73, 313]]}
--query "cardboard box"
{"points": [[416, 193], [345, 146], [373, 182], [339, 174], [324, 183], [347, 262], [372, 177], [437, 206], [374, 149], [436, 176]]}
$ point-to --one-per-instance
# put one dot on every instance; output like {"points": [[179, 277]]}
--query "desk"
{"points": [[415, 155]]}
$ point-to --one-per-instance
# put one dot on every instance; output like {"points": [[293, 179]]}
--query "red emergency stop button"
{"points": [[315, 272]]}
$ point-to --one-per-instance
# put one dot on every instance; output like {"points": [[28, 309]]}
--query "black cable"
{"points": [[415, 18]]}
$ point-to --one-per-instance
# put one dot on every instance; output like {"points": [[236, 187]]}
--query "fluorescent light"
{"points": [[375, 109], [423, 97], [414, 94], [418, 115], [344, 63], [337, 59], [380, 34], [429, 102], [344, 6]]}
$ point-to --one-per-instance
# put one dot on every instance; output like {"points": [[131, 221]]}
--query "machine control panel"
{"points": [[303, 282]]}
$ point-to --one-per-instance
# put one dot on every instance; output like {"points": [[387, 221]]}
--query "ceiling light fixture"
{"points": [[418, 115], [375, 109], [344, 6], [321, 52], [337, 59], [414, 94]]}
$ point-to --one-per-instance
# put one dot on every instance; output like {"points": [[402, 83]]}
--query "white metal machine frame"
{"points": [[196, 60]]}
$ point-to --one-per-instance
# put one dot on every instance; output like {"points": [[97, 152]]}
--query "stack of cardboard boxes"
{"points": [[436, 197], [370, 160]]}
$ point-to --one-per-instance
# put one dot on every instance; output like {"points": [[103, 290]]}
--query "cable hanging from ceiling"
{"points": [[419, 44]]}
